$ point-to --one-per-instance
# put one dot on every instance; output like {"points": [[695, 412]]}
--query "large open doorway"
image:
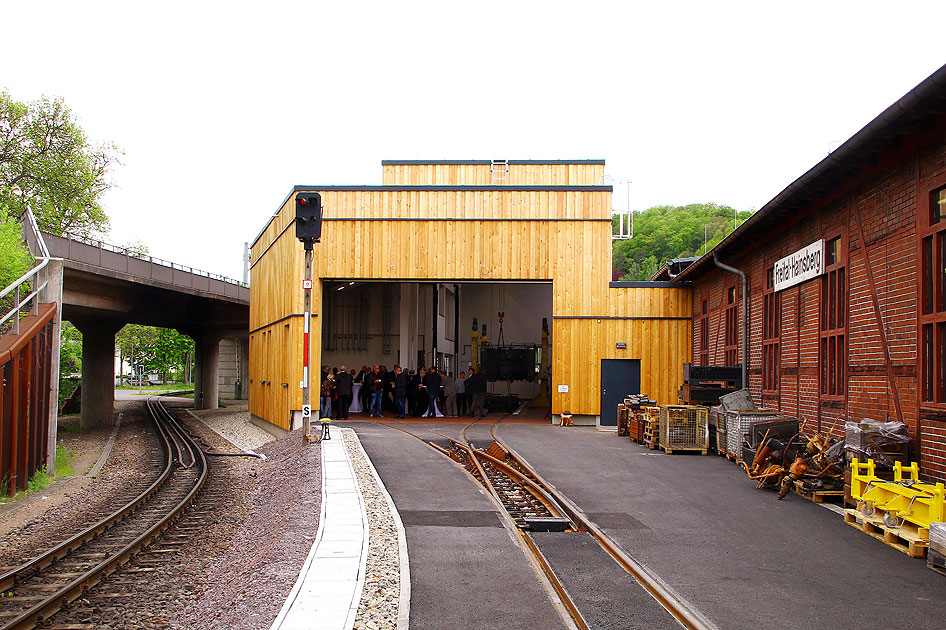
{"points": [[500, 328]]}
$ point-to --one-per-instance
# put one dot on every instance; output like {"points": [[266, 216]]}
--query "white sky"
{"points": [[220, 108]]}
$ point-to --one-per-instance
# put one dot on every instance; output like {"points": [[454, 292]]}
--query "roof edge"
{"points": [[480, 162], [933, 84]]}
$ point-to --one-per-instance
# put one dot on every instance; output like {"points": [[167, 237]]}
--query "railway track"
{"points": [[534, 506], [37, 589]]}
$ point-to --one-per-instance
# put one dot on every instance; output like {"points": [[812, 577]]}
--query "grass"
{"points": [[64, 457], [41, 480], [152, 389]]}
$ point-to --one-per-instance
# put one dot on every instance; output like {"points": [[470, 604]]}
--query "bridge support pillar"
{"points": [[98, 372], [206, 381]]}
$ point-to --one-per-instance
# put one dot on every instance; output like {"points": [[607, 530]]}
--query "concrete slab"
{"points": [[327, 593], [465, 572]]}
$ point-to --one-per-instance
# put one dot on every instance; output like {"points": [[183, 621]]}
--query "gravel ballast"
{"points": [[238, 550]]}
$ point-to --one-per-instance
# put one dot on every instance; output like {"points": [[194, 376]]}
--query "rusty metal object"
{"points": [[797, 470]]}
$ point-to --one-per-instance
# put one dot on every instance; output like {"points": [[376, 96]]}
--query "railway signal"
{"points": [[309, 231], [308, 218]]}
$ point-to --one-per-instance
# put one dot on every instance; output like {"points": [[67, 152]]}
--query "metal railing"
{"points": [[30, 278], [152, 259]]}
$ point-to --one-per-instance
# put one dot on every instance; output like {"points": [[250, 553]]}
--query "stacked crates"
{"points": [[650, 434], [738, 426], [684, 428]]}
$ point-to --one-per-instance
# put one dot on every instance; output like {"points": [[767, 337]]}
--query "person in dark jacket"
{"points": [[343, 381], [374, 382], [326, 397], [400, 390], [432, 383], [476, 388], [420, 393]]}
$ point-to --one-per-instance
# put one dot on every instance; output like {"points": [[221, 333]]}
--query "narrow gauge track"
{"points": [[37, 589], [534, 505]]}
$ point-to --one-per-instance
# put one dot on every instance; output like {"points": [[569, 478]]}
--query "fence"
{"points": [[28, 360]]}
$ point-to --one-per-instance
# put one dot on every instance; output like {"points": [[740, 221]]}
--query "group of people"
{"points": [[402, 392]]}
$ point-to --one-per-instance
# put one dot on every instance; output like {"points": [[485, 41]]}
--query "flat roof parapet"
{"points": [[448, 162]]}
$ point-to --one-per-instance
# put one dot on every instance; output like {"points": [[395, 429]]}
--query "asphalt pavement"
{"points": [[737, 555]]}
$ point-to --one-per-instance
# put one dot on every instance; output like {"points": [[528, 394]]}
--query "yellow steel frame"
{"points": [[909, 499]]}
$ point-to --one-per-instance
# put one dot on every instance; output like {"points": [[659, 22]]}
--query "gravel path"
{"points": [[246, 585], [380, 599], [233, 424]]}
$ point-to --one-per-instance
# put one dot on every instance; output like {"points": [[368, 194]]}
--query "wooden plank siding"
{"points": [[478, 173], [404, 234]]}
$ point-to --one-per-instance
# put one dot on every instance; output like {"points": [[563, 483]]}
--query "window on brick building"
{"points": [[933, 301], [731, 347], [704, 333], [833, 355], [771, 333]]}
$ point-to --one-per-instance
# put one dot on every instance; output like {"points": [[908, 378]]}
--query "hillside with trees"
{"points": [[665, 232]]}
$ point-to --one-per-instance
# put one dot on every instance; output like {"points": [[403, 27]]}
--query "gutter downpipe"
{"points": [[745, 316]]}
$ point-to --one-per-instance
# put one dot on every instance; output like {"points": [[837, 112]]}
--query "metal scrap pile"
{"points": [[808, 460]]}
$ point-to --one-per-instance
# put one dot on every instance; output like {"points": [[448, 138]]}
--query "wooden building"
{"points": [[464, 222], [862, 332]]}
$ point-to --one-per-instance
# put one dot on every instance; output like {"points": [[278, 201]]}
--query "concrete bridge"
{"points": [[105, 287]]}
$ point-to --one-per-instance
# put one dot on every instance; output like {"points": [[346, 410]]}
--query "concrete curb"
{"points": [[404, 580]]}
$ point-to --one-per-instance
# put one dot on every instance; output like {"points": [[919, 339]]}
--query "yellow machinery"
{"points": [[475, 347], [908, 499]]}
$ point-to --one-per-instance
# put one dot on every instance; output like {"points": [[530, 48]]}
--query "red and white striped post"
{"points": [[306, 347]]}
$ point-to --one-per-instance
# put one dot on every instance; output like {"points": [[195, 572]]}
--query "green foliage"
{"points": [[39, 481], [64, 457], [48, 165], [15, 258], [70, 350], [136, 247], [70, 360], [665, 232], [161, 350]]}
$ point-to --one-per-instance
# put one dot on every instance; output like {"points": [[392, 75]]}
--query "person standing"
{"points": [[365, 390], [343, 382], [461, 394], [376, 386], [420, 393], [449, 395], [325, 411], [413, 387], [400, 390], [476, 386], [432, 383]]}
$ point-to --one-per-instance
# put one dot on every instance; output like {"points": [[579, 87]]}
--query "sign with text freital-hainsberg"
{"points": [[805, 264]]}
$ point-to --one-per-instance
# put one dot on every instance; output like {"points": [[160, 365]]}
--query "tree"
{"points": [[665, 232], [161, 350], [48, 165], [70, 350], [15, 258]]}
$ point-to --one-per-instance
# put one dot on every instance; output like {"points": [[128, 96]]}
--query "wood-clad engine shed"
{"points": [[477, 224]]}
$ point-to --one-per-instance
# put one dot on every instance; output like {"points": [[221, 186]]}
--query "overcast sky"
{"points": [[220, 108]]}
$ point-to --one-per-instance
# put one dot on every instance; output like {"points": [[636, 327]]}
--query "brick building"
{"points": [[855, 325]]}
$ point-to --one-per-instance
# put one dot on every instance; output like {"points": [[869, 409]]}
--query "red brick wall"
{"points": [[886, 207]]}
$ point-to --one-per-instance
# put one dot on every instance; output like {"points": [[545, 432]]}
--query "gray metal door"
{"points": [[619, 377]]}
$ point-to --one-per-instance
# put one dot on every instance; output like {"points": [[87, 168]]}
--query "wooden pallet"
{"points": [[671, 451], [817, 496], [908, 539]]}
